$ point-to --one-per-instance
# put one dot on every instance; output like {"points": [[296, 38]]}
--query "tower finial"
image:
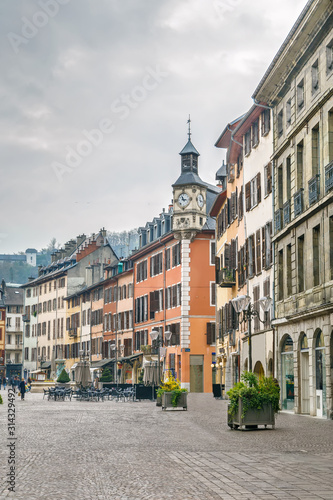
{"points": [[189, 127]]}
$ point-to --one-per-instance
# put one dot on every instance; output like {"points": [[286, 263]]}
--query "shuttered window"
{"points": [[267, 293], [248, 196], [227, 256], [256, 293], [268, 178], [210, 333], [233, 254], [258, 251], [258, 188]]}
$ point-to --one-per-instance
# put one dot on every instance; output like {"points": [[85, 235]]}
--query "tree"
{"points": [[63, 377]]}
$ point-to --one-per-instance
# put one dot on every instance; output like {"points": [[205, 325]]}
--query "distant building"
{"points": [[14, 329], [30, 257]]}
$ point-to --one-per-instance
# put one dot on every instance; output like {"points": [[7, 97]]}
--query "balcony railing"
{"points": [[26, 318], [226, 278], [72, 332], [298, 202], [329, 177], [278, 220], [286, 213], [314, 189]]}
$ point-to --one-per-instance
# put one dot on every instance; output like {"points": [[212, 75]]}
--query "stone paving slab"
{"points": [[133, 451]]}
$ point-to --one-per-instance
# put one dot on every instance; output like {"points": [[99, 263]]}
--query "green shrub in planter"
{"points": [[106, 375], [63, 377], [1, 400]]}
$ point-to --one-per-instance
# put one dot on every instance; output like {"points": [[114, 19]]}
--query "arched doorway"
{"points": [[287, 374], [259, 369], [320, 374], [304, 367]]}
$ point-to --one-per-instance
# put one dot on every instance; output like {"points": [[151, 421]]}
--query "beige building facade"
{"points": [[299, 87]]}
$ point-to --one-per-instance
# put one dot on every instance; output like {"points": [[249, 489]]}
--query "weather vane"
{"points": [[189, 127]]}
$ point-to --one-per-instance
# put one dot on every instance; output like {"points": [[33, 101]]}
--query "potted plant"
{"points": [[106, 375], [63, 379], [171, 394], [253, 402]]}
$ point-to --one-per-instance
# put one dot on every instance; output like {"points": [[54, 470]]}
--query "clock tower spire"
{"points": [[189, 194]]}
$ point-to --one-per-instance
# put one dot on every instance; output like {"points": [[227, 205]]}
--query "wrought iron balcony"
{"points": [[298, 202], [26, 318], [278, 220], [314, 189], [329, 177], [148, 349], [72, 332], [226, 278], [286, 213]]}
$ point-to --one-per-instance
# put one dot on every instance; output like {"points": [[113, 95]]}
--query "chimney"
{"points": [[89, 275]]}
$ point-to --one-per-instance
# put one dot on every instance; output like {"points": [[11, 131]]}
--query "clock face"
{"points": [[200, 200], [183, 199]]}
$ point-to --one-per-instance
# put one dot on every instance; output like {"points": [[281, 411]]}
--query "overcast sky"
{"points": [[95, 96]]}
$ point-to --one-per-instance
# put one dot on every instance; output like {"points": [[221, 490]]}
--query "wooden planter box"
{"points": [[252, 418], [167, 400]]}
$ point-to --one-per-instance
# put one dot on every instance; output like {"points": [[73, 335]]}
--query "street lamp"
{"points": [[156, 337], [242, 303]]}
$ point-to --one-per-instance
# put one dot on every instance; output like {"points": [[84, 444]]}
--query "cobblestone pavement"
{"points": [[133, 450]]}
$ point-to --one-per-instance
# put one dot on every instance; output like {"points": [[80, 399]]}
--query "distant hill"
{"points": [[124, 243], [20, 272]]}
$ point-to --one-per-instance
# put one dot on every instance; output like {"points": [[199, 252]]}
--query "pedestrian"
{"points": [[12, 383], [29, 384], [4, 381], [22, 388], [0, 382]]}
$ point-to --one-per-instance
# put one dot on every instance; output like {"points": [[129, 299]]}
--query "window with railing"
{"points": [[286, 212], [298, 202], [329, 177], [314, 188], [278, 220]]}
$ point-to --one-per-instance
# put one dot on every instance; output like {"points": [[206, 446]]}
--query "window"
{"points": [[254, 193], [288, 113], [331, 244], [300, 263], [299, 159], [141, 271], [26, 353], [176, 258], [300, 95], [268, 178], [255, 133], [28, 292], [288, 177], [315, 150], [316, 255], [329, 57], [315, 77], [247, 143], [212, 293], [280, 186], [280, 275], [289, 271], [256, 294], [258, 252], [167, 259], [156, 263], [211, 336], [251, 252], [212, 253], [280, 123], [265, 122]]}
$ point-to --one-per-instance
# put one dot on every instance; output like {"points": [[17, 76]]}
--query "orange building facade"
{"points": [[174, 283]]}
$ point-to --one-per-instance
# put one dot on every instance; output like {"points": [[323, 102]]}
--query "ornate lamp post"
{"points": [[242, 303], [158, 339]]}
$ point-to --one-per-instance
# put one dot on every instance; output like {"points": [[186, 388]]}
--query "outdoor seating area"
{"points": [[90, 394]]}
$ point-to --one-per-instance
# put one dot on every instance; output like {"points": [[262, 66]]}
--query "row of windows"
{"points": [[251, 137], [113, 294], [300, 91], [310, 243], [119, 321], [172, 258], [47, 287]]}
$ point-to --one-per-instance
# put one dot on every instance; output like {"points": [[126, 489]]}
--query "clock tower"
{"points": [[189, 195]]}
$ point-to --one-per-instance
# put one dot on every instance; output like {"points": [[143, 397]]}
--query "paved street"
{"points": [[131, 451]]}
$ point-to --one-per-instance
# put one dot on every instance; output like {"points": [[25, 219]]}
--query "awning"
{"points": [[46, 364], [130, 358], [37, 371], [74, 366], [101, 363]]}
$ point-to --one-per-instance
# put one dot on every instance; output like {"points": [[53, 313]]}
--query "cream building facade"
{"points": [[299, 87]]}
